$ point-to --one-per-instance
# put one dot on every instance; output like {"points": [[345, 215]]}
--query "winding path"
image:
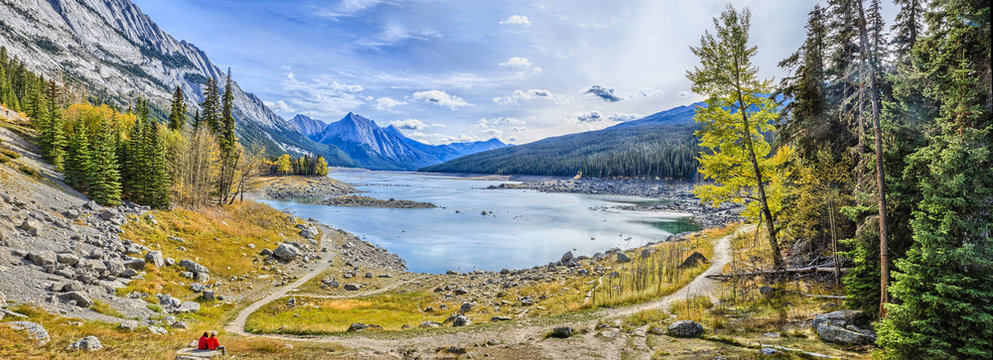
{"points": [[522, 331]]}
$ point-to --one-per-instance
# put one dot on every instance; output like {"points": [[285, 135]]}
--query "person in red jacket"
{"points": [[213, 344], [202, 343]]}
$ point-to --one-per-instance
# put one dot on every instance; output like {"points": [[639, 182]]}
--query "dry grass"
{"points": [[326, 316]]}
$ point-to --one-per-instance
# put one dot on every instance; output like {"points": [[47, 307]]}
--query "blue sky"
{"points": [[455, 70]]}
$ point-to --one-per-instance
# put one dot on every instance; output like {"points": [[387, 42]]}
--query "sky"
{"points": [[463, 70]]}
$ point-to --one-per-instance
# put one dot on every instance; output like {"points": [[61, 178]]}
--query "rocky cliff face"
{"points": [[118, 53]]}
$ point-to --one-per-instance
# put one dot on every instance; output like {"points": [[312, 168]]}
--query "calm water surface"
{"points": [[526, 228]]}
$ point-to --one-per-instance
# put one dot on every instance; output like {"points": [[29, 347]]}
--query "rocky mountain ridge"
{"points": [[117, 53]]}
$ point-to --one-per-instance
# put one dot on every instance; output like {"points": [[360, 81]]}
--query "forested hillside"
{"points": [[666, 151]]}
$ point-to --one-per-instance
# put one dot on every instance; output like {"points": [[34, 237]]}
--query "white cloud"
{"points": [[279, 106], [441, 98], [485, 123], [517, 19], [521, 63], [410, 124], [587, 116], [532, 94], [322, 94], [347, 8], [393, 34], [620, 117], [388, 103], [651, 92]]}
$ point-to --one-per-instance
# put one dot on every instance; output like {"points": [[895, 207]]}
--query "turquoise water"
{"points": [[522, 228]]}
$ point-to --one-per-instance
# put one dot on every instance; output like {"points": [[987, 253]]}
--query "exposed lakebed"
{"points": [[474, 228]]}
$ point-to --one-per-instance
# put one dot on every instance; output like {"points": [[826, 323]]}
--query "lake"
{"points": [[521, 228]]}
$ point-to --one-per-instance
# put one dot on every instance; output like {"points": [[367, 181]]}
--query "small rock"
{"points": [[351, 287], [81, 299], [361, 326], [35, 330], [286, 252], [694, 259], [466, 307], [429, 324], [188, 307], [42, 258], [461, 320], [769, 351], [500, 318], [193, 267]]}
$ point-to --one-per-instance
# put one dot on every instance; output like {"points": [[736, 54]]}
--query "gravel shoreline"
{"points": [[674, 196]]}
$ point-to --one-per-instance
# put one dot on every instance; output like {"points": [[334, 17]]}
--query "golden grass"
{"points": [[216, 237], [326, 316]]}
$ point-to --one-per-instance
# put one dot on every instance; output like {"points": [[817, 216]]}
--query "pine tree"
{"points": [[943, 293], [177, 118], [105, 186], [78, 165], [196, 120], [228, 144], [55, 128], [906, 27], [211, 115], [732, 129], [158, 174]]}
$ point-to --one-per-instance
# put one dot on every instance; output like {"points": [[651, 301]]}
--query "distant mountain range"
{"points": [[659, 145], [374, 147]]}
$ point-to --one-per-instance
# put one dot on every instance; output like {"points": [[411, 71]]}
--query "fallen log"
{"points": [[805, 270]]}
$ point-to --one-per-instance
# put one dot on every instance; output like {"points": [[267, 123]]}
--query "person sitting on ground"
{"points": [[202, 343], [213, 344]]}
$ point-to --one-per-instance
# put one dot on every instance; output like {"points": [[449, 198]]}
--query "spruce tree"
{"points": [[78, 165], [158, 174], [943, 293], [906, 27], [177, 118], [105, 186]]}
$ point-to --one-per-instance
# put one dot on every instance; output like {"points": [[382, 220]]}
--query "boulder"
{"points": [[351, 287], [622, 257], [35, 330], [67, 259], [194, 267], [307, 234], [114, 266], [561, 332], [188, 307], [694, 259], [42, 258], [566, 257], [31, 226], [685, 328], [331, 282], [429, 324], [500, 318], [361, 326], [286, 252], [108, 214], [81, 299], [844, 327], [466, 307], [89, 343], [208, 295], [91, 205], [134, 264], [461, 320]]}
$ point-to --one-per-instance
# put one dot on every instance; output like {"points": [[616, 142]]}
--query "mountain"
{"points": [[118, 53], [677, 114], [375, 147], [659, 145]]}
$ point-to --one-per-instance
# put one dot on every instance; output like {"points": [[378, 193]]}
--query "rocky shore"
{"points": [[365, 201], [674, 196], [304, 188]]}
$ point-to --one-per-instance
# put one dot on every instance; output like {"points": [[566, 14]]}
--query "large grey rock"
{"points": [[168, 301], [361, 326], [694, 259], [429, 324], [42, 258], [79, 297], [188, 307], [351, 287], [31, 226], [622, 257], [845, 327], [134, 264], [155, 258], [286, 252], [307, 234], [566, 257], [466, 307], [461, 320], [115, 266], [561, 332], [108, 214], [193, 267], [685, 328], [35, 330], [89, 343], [67, 259]]}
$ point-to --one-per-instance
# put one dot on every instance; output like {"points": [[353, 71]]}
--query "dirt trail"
{"points": [[529, 331]]}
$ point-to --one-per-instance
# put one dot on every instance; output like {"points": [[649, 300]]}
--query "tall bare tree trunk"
{"points": [[884, 264]]}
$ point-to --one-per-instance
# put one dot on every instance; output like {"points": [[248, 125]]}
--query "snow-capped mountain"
{"points": [[118, 54], [375, 147]]}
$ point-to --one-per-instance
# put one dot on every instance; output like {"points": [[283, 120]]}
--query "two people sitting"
{"points": [[210, 343]]}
